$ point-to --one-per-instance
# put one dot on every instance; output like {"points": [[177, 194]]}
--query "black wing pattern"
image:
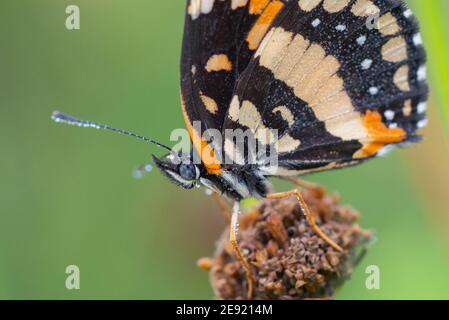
{"points": [[340, 80], [220, 37]]}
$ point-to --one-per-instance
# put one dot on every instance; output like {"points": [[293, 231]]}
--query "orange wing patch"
{"points": [[202, 146], [379, 133], [257, 6], [262, 24]]}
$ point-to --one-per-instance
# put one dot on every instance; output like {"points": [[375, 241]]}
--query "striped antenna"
{"points": [[60, 117]]}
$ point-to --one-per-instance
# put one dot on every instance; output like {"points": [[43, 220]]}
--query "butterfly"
{"points": [[320, 84]]}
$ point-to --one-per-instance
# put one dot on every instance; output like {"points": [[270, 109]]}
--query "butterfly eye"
{"points": [[188, 172]]}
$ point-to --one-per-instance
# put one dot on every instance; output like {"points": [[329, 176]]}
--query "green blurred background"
{"points": [[67, 195]]}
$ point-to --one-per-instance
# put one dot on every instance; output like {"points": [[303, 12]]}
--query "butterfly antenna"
{"points": [[60, 117]]}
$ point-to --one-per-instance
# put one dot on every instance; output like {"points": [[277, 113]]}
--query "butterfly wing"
{"points": [[341, 81], [220, 37]]}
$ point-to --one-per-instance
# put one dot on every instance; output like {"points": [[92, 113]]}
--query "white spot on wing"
{"points": [[393, 125], [198, 7], [340, 27], [361, 40], [389, 115], [408, 13], [366, 64], [194, 9], [422, 73], [422, 124], [417, 39], [373, 91], [316, 22], [207, 6], [422, 107]]}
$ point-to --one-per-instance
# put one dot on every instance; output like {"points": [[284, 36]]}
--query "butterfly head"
{"points": [[182, 171]]}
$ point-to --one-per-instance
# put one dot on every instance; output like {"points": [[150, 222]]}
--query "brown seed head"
{"points": [[288, 259]]}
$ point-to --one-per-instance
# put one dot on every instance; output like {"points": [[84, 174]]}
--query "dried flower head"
{"points": [[288, 259]]}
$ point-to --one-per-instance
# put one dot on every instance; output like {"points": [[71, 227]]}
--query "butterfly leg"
{"points": [[308, 214], [234, 229], [223, 206]]}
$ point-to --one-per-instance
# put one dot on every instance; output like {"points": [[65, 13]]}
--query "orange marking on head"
{"points": [[202, 146], [262, 24], [257, 6], [379, 133]]}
